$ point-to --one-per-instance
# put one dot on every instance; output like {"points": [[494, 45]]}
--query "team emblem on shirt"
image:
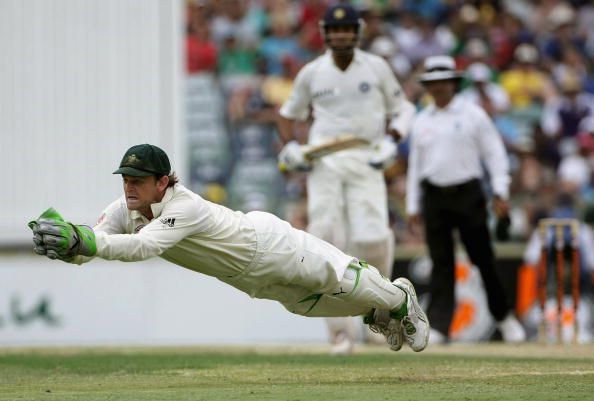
{"points": [[168, 221], [364, 87]]}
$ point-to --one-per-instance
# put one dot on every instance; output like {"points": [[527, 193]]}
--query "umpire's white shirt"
{"points": [[447, 146], [257, 252], [355, 101]]}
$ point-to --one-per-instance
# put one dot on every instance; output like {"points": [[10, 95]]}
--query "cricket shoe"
{"points": [[512, 330], [415, 324], [381, 322], [343, 344]]}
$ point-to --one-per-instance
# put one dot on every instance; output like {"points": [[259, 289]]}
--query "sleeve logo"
{"points": [[168, 221]]}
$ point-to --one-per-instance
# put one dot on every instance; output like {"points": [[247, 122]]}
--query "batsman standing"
{"points": [[257, 252], [350, 92]]}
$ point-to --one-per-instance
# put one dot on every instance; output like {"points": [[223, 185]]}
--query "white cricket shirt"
{"points": [[355, 101], [186, 230], [447, 147]]}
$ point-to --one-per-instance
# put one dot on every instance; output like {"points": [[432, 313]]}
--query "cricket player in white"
{"points": [[257, 252], [350, 92]]}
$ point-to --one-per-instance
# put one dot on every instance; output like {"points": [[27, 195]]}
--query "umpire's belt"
{"points": [[450, 189]]}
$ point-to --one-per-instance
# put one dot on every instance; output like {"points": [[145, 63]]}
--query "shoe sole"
{"points": [[398, 341], [399, 337]]}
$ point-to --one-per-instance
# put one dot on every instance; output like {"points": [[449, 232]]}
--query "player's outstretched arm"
{"points": [[58, 239]]}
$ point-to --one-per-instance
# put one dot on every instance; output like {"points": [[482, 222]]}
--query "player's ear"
{"points": [[162, 182]]}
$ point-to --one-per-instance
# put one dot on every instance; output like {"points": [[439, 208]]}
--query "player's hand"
{"points": [[503, 222], [500, 207], [291, 158], [39, 246], [57, 239], [414, 223], [384, 153]]}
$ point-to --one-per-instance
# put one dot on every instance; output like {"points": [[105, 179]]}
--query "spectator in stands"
{"points": [[489, 95], [573, 62], [475, 50], [383, 46], [429, 42], [575, 173], [562, 115], [563, 33], [505, 34], [236, 60], [277, 88], [239, 18], [280, 43], [526, 85], [201, 52]]}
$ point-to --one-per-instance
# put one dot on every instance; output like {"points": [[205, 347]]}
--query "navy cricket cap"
{"points": [[144, 160], [341, 14]]}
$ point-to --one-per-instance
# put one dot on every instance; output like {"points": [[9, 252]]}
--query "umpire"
{"points": [[451, 139]]}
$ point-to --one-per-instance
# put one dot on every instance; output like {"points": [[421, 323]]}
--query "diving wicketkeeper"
{"points": [[256, 252]]}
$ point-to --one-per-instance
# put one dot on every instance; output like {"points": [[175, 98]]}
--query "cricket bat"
{"points": [[347, 141]]}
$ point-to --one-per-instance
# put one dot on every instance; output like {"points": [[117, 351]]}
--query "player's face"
{"points": [[141, 192], [342, 38]]}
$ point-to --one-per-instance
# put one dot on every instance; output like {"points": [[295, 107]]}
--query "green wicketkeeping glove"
{"points": [[39, 246], [58, 239]]}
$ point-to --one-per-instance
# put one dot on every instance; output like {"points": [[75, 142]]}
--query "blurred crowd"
{"points": [[527, 63]]}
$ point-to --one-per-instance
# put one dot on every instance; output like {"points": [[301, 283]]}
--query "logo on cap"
{"points": [[132, 160], [339, 13]]}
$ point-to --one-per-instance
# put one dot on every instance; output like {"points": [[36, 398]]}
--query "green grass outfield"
{"points": [[456, 372]]}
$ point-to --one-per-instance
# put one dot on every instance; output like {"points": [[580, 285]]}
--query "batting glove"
{"points": [[384, 153], [57, 239], [291, 158]]}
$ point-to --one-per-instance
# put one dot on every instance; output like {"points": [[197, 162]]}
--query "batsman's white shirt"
{"points": [[448, 147], [256, 252], [356, 101]]}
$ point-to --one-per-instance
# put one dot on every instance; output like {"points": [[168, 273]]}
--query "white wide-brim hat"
{"points": [[439, 68]]}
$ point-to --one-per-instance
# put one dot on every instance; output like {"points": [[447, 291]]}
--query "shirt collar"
{"points": [[156, 208], [454, 105], [356, 57]]}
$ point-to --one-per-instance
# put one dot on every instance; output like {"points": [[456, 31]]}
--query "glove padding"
{"points": [[57, 239], [384, 153], [291, 158]]}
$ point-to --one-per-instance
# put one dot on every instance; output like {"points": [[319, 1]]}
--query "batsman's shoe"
{"points": [[381, 322], [415, 324], [343, 344]]}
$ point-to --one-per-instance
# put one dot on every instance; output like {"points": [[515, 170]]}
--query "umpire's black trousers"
{"points": [[462, 207]]}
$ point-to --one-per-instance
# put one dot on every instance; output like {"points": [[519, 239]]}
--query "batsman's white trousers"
{"points": [[347, 200]]}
